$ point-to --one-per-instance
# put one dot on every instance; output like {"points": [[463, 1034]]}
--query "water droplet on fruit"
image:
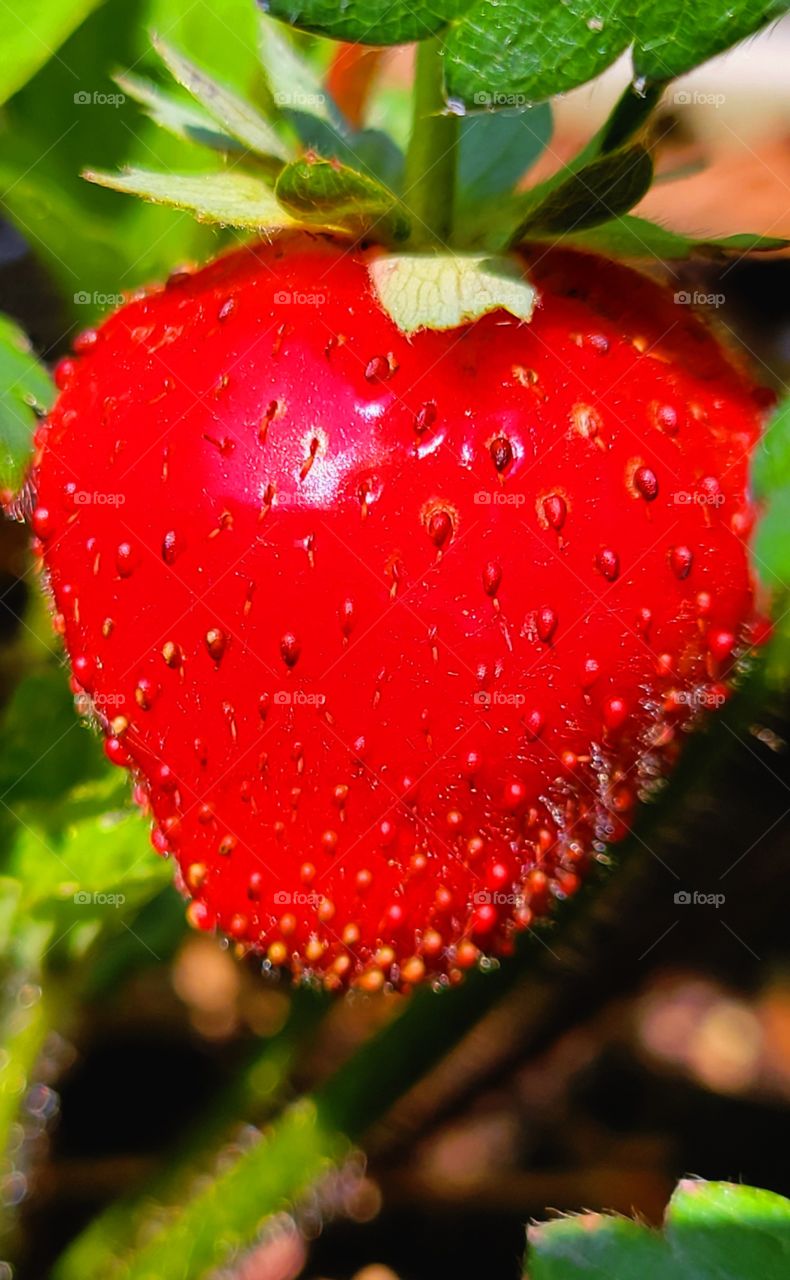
{"points": [[226, 309]]}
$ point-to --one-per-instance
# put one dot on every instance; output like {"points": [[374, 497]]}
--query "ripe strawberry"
{"points": [[393, 633]]}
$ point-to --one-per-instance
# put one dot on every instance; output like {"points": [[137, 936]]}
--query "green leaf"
{"points": [[728, 1231], [102, 850], [230, 110], [607, 187], [32, 34], [45, 749], [771, 482], [673, 37], [331, 194], [497, 149], [26, 392], [183, 119], [515, 52], [230, 197], [711, 1229], [633, 237], [443, 290], [302, 98], [293, 83], [591, 1246], [368, 21], [89, 241], [505, 53]]}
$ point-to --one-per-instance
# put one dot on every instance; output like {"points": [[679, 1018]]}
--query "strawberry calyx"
{"points": [[291, 159]]}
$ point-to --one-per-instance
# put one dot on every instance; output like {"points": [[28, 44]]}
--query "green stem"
{"points": [[429, 189]]}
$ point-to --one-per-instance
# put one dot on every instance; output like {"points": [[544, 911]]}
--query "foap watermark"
{"points": [[497, 898], [298, 298], [105, 703], [501, 100], [94, 98], [689, 898], [298, 698], [698, 98], [84, 299], [699, 699], [297, 898], [498, 699], [696, 298], [85, 899], [701, 498], [84, 498], [299, 100], [498, 498]]}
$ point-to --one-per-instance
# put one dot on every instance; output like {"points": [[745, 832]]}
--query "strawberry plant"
{"points": [[413, 549]]}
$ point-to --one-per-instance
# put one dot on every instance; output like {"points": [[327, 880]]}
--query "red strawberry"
{"points": [[394, 633]]}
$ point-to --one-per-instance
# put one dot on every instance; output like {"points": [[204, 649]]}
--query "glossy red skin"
{"points": [[330, 826]]}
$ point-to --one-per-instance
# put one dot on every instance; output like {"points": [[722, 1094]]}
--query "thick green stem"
{"points": [[429, 190]]}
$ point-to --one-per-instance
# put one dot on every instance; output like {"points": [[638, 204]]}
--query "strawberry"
{"points": [[393, 633]]}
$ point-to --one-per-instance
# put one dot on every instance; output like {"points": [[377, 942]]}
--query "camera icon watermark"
{"points": [[499, 100], [685, 498], [498, 699], [497, 898], [700, 699], [83, 498], [296, 898], [299, 99], [94, 98], [686, 298], [85, 899], [298, 698], [298, 298], [684, 898], [698, 98], [82, 298], [498, 498]]}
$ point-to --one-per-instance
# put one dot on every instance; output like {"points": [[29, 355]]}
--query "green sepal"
{"points": [[447, 290], [329, 194], [230, 198], [26, 392]]}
